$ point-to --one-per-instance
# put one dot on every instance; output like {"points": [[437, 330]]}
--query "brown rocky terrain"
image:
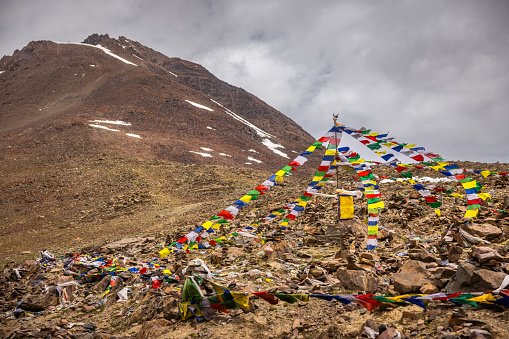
{"points": [[128, 209]]}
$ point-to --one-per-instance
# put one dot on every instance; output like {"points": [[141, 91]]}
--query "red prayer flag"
{"points": [[418, 158], [219, 307], [225, 214], [267, 297], [156, 283], [367, 302], [454, 295]]}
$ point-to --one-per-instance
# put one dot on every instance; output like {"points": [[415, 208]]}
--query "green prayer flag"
{"points": [[463, 299], [285, 297], [374, 146], [373, 200]]}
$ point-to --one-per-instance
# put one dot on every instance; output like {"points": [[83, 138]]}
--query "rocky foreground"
{"points": [[123, 289]]}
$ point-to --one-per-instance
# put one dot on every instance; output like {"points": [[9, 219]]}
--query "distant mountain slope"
{"points": [[118, 97]]}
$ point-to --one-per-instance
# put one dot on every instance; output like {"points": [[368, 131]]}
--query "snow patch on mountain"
{"points": [[117, 122], [104, 49], [253, 159], [104, 127], [200, 106], [274, 147], [205, 155]]}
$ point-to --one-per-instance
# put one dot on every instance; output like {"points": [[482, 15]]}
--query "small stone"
{"points": [[88, 308], [428, 289]]}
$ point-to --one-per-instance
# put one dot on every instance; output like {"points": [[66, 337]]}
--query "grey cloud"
{"points": [[433, 73]]}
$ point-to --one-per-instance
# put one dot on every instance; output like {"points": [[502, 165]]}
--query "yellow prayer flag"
{"points": [[412, 181], [483, 298], [437, 211], [164, 252], [470, 184], [241, 299], [485, 173], [216, 226], [379, 204], [346, 208], [311, 149], [167, 271], [246, 199], [330, 152], [380, 153], [484, 196], [410, 146], [280, 173], [206, 225], [471, 213], [279, 178], [457, 195], [443, 163]]}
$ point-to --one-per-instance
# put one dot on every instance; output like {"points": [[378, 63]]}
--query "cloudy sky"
{"points": [[434, 73]]}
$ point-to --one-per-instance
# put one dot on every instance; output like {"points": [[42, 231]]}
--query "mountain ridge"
{"points": [[54, 91]]}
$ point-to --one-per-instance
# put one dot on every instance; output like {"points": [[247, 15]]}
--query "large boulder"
{"points": [[357, 280], [485, 231], [470, 278], [40, 302], [411, 277]]}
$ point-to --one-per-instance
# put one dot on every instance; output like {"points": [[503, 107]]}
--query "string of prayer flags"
{"points": [[230, 212], [418, 153]]}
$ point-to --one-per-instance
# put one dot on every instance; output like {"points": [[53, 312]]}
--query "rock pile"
{"points": [[123, 289]]}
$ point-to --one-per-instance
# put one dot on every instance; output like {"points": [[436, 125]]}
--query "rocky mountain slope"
{"points": [[118, 97]]}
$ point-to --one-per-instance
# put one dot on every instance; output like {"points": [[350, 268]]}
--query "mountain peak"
{"points": [[69, 96]]}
